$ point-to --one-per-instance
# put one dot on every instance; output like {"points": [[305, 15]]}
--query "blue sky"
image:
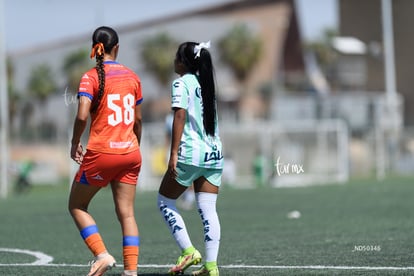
{"points": [[29, 23]]}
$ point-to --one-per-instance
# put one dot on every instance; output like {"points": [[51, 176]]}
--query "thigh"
{"points": [[169, 187], [124, 197], [209, 182], [81, 195], [204, 186]]}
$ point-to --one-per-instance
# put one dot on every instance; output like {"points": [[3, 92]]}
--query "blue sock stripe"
{"points": [[130, 241], [89, 230]]}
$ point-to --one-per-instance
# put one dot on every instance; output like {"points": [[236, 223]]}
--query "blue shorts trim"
{"points": [[83, 179]]}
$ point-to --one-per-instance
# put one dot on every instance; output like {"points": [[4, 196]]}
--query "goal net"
{"points": [[288, 154]]}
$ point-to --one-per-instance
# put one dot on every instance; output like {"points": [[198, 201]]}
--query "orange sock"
{"points": [[130, 252], [93, 240]]}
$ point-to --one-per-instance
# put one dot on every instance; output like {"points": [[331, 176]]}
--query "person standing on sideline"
{"points": [[111, 94], [195, 156]]}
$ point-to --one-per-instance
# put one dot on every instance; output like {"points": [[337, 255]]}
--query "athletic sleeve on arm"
{"points": [[86, 86], [138, 94], [179, 95]]}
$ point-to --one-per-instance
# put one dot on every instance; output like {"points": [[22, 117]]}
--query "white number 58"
{"points": [[124, 113]]}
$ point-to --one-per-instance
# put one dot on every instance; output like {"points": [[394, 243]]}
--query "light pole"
{"points": [[4, 109]]}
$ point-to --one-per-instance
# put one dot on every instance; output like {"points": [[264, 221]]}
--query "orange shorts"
{"points": [[98, 169]]}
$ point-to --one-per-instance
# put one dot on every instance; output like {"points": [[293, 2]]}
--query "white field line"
{"points": [[45, 260], [42, 258], [270, 267]]}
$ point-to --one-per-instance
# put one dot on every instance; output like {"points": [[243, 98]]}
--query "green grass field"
{"points": [[360, 228]]}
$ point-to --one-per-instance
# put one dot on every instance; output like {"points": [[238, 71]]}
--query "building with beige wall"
{"points": [[274, 21], [362, 19]]}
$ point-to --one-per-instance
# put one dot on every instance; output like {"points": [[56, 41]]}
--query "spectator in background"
{"points": [[23, 180]]}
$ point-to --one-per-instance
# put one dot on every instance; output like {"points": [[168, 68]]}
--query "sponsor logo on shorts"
{"points": [[97, 177]]}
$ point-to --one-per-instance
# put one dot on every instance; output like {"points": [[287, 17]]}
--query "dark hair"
{"points": [[106, 38], [202, 67]]}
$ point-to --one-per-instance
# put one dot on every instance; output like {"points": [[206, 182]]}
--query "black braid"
{"points": [[109, 38], [101, 76], [208, 92]]}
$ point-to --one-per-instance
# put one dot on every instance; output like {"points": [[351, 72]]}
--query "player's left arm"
{"points": [[177, 132], [137, 111], [138, 122]]}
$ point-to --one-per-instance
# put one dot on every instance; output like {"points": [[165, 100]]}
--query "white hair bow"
{"points": [[202, 45]]}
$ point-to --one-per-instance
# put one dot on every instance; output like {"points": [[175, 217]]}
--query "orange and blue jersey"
{"points": [[112, 125]]}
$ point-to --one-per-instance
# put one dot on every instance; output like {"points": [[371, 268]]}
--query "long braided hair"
{"points": [[200, 64], [103, 40]]}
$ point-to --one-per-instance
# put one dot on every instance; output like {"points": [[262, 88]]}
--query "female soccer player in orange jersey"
{"points": [[111, 94]]}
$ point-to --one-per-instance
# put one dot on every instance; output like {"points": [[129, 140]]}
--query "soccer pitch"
{"points": [[363, 227]]}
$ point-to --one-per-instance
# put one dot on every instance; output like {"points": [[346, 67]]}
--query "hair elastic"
{"points": [[98, 49], [202, 45]]}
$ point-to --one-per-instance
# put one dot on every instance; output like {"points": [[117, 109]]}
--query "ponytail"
{"points": [[98, 51], [103, 40], [197, 60], [208, 92]]}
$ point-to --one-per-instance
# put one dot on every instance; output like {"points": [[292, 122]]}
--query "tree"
{"points": [[41, 82], [41, 85], [325, 55], [157, 54], [74, 65], [241, 50]]}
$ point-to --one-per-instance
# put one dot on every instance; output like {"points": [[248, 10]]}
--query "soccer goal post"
{"points": [[292, 153]]}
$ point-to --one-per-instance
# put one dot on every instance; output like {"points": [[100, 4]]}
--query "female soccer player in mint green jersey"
{"points": [[195, 156]]}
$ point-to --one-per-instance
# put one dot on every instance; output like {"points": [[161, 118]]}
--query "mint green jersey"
{"points": [[196, 147]]}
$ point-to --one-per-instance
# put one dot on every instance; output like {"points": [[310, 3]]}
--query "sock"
{"points": [[93, 240], [130, 252], [206, 203], [174, 221], [130, 272]]}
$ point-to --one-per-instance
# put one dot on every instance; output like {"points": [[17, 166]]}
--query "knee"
{"points": [[75, 208], [71, 208], [124, 213], [165, 202]]}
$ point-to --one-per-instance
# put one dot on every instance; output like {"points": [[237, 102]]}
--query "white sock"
{"points": [[206, 203], [130, 272], [174, 221]]}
